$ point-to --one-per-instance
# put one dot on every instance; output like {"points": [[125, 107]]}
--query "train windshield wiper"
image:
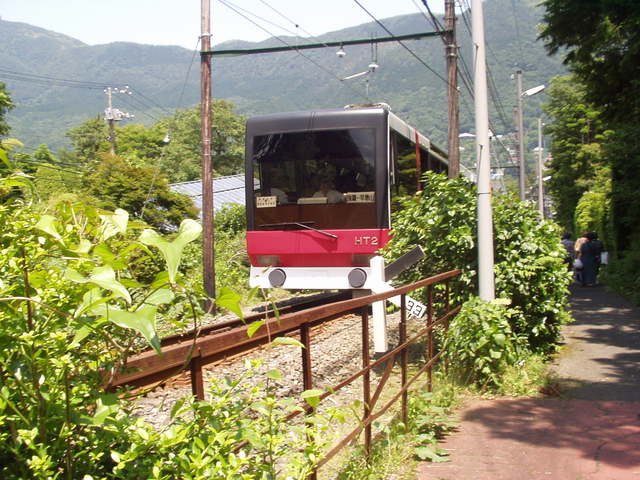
{"points": [[306, 225]]}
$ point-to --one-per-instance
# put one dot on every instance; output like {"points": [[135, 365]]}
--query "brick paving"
{"points": [[590, 432]]}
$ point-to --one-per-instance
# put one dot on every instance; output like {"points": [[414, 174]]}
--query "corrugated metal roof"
{"points": [[225, 190]]}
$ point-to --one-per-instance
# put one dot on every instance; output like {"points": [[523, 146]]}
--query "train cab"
{"points": [[319, 191]]}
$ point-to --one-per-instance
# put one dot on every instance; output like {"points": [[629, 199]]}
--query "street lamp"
{"points": [[527, 93]]}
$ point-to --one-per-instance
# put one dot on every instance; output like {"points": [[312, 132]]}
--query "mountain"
{"points": [[164, 78]]}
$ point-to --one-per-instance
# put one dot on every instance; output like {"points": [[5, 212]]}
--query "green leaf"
{"points": [[47, 225], [83, 247], [142, 320], [108, 257], [172, 251], [160, 297], [287, 341], [230, 300], [105, 407], [426, 453], [5, 159], [114, 224], [500, 338], [253, 328], [312, 396], [274, 374], [104, 277]]}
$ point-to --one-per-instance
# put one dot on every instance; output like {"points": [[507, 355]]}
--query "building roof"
{"points": [[226, 190]]}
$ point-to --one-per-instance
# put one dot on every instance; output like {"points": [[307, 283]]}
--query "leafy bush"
{"points": [[528, 253], [592, 214], [480, 343], [231, 220], [623, 272], [529, 270], [71, 311]]}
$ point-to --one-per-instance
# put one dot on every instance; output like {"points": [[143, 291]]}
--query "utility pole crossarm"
{"points": [[308, 46]]}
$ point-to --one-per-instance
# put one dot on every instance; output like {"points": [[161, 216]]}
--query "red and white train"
{"points": [[321, 186]]}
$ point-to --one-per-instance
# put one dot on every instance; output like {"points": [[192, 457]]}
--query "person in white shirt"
{"points": [[326, 190]]}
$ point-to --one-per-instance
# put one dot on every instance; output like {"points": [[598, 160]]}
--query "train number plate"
{"points": [[266, 202]]}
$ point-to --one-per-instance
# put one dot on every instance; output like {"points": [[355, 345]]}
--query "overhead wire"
{"points": [[327, 71], [492, 88], [401, 43], [169, 131], [262, 19], [296, 24]]}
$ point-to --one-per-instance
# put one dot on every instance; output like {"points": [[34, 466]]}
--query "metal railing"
{"points": [[195, 354]]}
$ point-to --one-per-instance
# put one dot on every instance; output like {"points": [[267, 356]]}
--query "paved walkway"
{"points": [[590, 432]]}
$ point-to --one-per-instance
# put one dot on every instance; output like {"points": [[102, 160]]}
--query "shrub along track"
{"points": [[336, 352]]}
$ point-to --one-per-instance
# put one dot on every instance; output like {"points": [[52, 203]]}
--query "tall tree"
{"points": [[143, 192], [5, 105], [578, 160], [182, 160], [600, 41], [89, 139]]}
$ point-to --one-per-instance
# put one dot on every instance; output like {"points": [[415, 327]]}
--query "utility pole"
{"points": [[539, 172], [521, 162], [451, 51], [486, 282], [113, 115], [209, 274]]}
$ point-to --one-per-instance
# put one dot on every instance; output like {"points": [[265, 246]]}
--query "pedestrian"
{"points": [[590, 255], [578, 264], [598, 247], [569, 246]]}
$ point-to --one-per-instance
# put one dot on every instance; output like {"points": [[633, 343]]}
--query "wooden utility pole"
{"points": [[209, 275], [111, 121], [113, 115], [451, 50]]}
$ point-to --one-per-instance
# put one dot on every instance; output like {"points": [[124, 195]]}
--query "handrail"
{"points": [[199, 352]]}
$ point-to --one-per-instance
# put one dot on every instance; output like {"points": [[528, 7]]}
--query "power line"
{"points": [[225, 3], [517, 25], [402, 44], [434, 20], [296, 24], [269, 22]]}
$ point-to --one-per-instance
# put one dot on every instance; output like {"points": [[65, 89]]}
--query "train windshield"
{"points": [[320, 179]]}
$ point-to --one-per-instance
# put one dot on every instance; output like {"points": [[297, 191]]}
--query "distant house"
{"points": [[226, 190]]}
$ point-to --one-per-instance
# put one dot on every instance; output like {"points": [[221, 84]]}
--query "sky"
{"points": [[177, 22]]}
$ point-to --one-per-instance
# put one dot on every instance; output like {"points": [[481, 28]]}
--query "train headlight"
{"points": [[357, 277], [277, 277]]}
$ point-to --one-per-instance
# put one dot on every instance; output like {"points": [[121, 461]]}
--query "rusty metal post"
{"points": [[307, 375], [209, 276], [197, 380], [430, 335], [404, 359], [305, 339], [447, 306], [366, 381]]}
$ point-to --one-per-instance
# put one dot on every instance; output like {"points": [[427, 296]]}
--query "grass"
{"points": [[398, 448]]}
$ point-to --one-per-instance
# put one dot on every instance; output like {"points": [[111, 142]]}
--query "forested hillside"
{"points": [[46, 109]]}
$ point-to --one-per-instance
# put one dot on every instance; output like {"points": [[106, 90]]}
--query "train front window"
{"points": [[322, 179]]}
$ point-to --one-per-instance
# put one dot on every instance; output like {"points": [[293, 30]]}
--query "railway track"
{"points": [[147, 368], [290, 305]]}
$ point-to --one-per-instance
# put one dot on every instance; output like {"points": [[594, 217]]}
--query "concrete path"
{"points": [[590, 432]]}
